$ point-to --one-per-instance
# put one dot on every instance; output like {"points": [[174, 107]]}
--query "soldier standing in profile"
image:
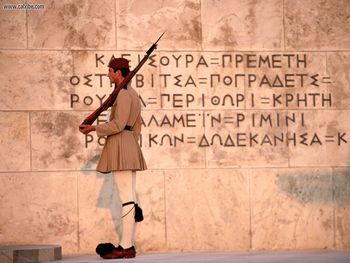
{"points": [[122, 156]]}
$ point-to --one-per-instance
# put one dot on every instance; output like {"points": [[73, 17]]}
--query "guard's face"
{"points": [[113, 76]]}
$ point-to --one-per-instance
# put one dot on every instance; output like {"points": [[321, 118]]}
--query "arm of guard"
{"points": [[120, 117]]}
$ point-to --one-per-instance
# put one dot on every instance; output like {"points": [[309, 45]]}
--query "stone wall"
{"points": [[246, 130]]}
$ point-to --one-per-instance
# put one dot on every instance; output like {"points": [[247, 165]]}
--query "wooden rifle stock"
{"points": [[110, 100]]}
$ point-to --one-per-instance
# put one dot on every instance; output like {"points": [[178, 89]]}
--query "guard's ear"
{"points": [[119, 73]]}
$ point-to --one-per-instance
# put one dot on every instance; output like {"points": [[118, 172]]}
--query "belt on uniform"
{"points": [[128, 128]]}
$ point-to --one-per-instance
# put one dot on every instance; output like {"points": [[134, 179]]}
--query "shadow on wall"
{"points": [[320, 188], [108, 197]]}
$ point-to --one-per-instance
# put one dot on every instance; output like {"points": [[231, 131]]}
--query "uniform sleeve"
{"points": [[120, 117]]}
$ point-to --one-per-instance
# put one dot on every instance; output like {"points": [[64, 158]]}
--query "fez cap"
{"points": [[118, 63]]}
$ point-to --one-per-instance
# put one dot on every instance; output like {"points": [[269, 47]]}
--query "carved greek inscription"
{"points": [[248, 99]]}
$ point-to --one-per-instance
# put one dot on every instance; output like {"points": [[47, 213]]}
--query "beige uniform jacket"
{"points": [[122, 150]]}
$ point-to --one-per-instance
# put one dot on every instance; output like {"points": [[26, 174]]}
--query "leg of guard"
{"points": [[126, 187]]}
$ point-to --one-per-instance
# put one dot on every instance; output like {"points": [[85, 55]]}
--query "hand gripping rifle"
{"points": [[110, 100]]}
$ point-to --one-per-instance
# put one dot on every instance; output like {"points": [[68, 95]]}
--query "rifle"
{"points": [[110, 100]]}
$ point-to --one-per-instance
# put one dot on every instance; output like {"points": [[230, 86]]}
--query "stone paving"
{"points": [[248, 257]]}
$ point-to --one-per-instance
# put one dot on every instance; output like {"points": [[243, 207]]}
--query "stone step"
{"points": [[30, 253]]}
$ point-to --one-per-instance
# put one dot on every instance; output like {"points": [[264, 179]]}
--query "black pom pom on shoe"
{"points": [[103, 249]]}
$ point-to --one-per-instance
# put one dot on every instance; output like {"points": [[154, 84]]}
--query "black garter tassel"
{"points": [[138, 213]]}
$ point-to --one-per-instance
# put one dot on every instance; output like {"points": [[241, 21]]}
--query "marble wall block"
{"points": [[292, 209], [72, 25], [15, 141], [338, 65], [35, 80], [285, 80], [34, 210], [342, 207], [91, 85], [30, 253], [242, 25], [57, 143], [322, 141], [140, 23], [13, 33], [99, 210], [246, 139], [6, 256], [317, 24], [151, 232], [207, 210], [170, 139]]}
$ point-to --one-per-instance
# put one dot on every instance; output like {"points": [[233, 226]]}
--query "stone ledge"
{"points": [[30, 253]]}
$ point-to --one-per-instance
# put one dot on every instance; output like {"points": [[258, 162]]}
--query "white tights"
{"points": [[126, 185]]}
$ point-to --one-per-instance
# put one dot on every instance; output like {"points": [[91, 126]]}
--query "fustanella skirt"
{"points": [[121, 152]]}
